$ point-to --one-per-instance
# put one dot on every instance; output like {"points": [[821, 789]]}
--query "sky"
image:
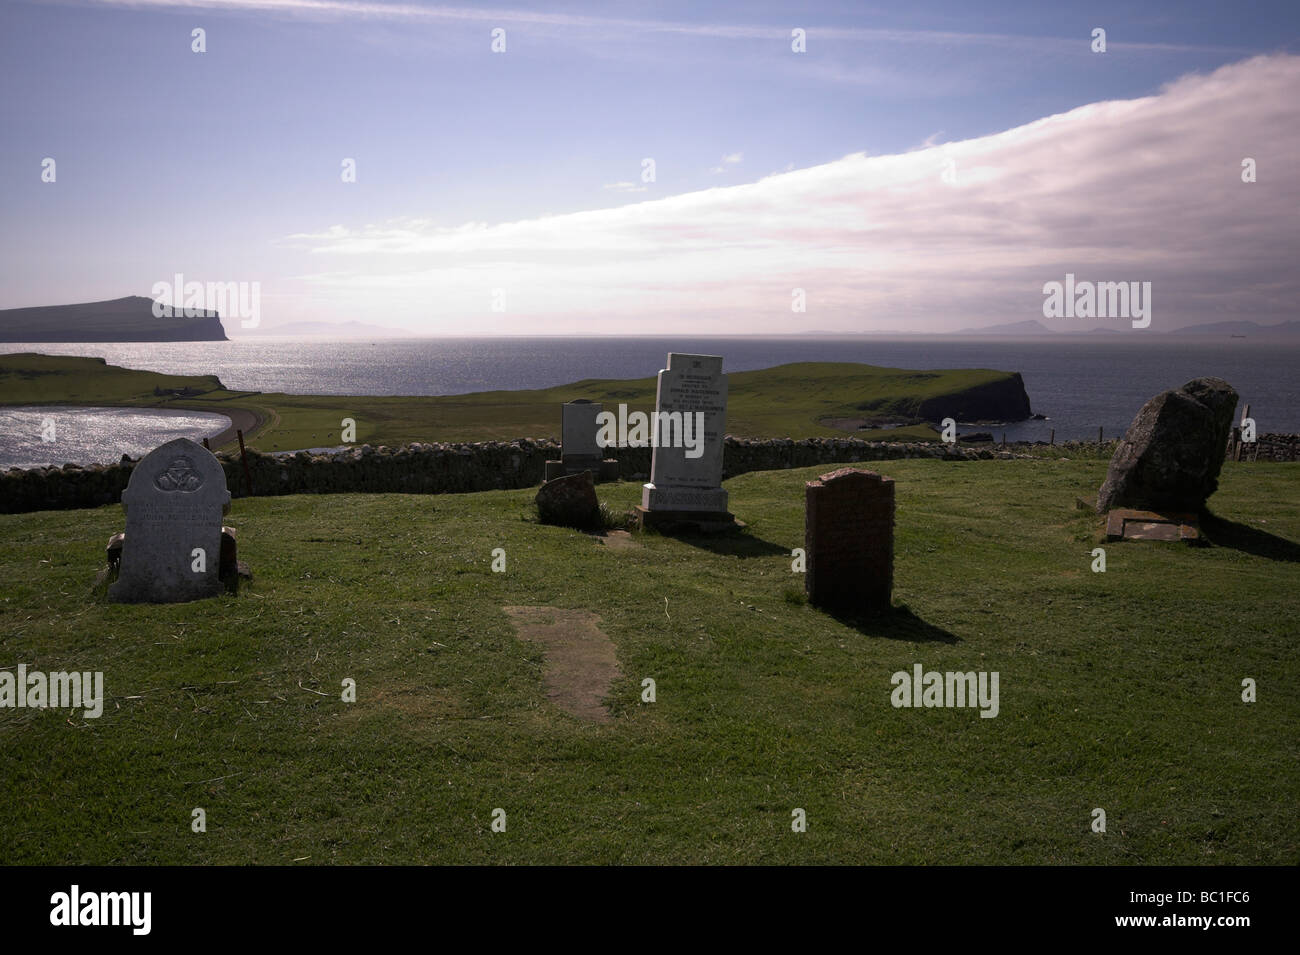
{"points": [[653, 168]]}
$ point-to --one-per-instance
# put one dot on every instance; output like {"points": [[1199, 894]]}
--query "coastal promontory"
{"points": [[129, 319]]}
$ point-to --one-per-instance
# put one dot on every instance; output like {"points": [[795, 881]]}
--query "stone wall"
{"points": [[455, 468], [1268, 447]]}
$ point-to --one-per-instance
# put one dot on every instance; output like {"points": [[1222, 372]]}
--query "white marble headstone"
{"points": [[174, 502], [678, 481]]}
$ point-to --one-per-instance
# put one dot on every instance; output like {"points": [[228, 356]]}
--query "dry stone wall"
{"points": [[460, 468]]}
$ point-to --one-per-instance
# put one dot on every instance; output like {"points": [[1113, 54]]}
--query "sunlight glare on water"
{"points": [[95, 435]]}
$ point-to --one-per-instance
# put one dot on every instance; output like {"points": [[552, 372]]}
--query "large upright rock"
{"points": [[1169, 459], [569, 501]]}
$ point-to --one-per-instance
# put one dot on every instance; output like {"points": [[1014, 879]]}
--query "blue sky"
{"points": [[773, 169]]}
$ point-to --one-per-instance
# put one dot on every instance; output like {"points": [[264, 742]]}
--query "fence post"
{"points": [[243, 457]]}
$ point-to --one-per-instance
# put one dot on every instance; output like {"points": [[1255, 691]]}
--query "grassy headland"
{"points": [[129, 319]]}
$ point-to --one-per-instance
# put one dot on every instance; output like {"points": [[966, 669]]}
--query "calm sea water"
{"points": [[1079, 384], [37, 436]]}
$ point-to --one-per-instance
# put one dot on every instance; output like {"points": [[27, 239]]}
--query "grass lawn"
{"points": [[1119, 690]]}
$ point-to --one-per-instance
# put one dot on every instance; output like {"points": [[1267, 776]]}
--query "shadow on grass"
{"points": [[1249, 540], [740, 543], [896, 623]]}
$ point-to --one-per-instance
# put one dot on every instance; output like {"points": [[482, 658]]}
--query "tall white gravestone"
{"points": [[174, 502], [685, 466]]}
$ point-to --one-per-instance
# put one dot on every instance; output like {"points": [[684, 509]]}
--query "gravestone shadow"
{"points": [[896, 623], [1222, 532], [738, 543]]}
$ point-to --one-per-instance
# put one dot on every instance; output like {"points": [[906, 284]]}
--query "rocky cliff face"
{"points": [[129, 319], [1001, 400]]}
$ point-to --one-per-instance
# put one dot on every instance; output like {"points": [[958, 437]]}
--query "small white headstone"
{"points": [[174, 502], [686, 466]]}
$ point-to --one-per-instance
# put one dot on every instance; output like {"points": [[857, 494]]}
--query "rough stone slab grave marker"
{"points": [[849, 539], [569, 501], [580, 663], [682, 488], [174, 502], [1129, 524]]}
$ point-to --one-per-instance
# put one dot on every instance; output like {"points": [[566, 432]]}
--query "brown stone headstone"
{"points": [[849, 539]]}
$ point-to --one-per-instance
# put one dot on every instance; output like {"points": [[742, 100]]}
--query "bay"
{"points": [[1079, 384], [36, 436]]}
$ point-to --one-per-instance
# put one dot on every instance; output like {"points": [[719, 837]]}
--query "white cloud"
{"points": [[1147, 189], [730, 159]]}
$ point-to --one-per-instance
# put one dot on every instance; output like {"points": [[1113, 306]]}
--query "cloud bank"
{"points": [[944, 237]]}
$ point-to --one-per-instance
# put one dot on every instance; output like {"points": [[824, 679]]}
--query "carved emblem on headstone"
{"points": [[179, 475]]}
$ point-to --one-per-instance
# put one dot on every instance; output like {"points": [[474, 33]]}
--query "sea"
{"points": [[1080, 385], [36, 436]]}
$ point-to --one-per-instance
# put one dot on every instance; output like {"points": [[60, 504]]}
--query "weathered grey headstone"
{"points": [[849, 540], [230, 563], [174, 503], [687, 428], [1171, 455], [578, 424], [580, 450]]}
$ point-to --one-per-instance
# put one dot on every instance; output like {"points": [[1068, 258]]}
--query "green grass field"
{"points": [[1119, 691], [786, 401]]}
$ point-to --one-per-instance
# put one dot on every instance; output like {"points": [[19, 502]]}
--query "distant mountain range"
{"points": [[1032, 328], [1018, 329], [131, 319], [331, 329], [1249, 329], [1282, 330]]}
